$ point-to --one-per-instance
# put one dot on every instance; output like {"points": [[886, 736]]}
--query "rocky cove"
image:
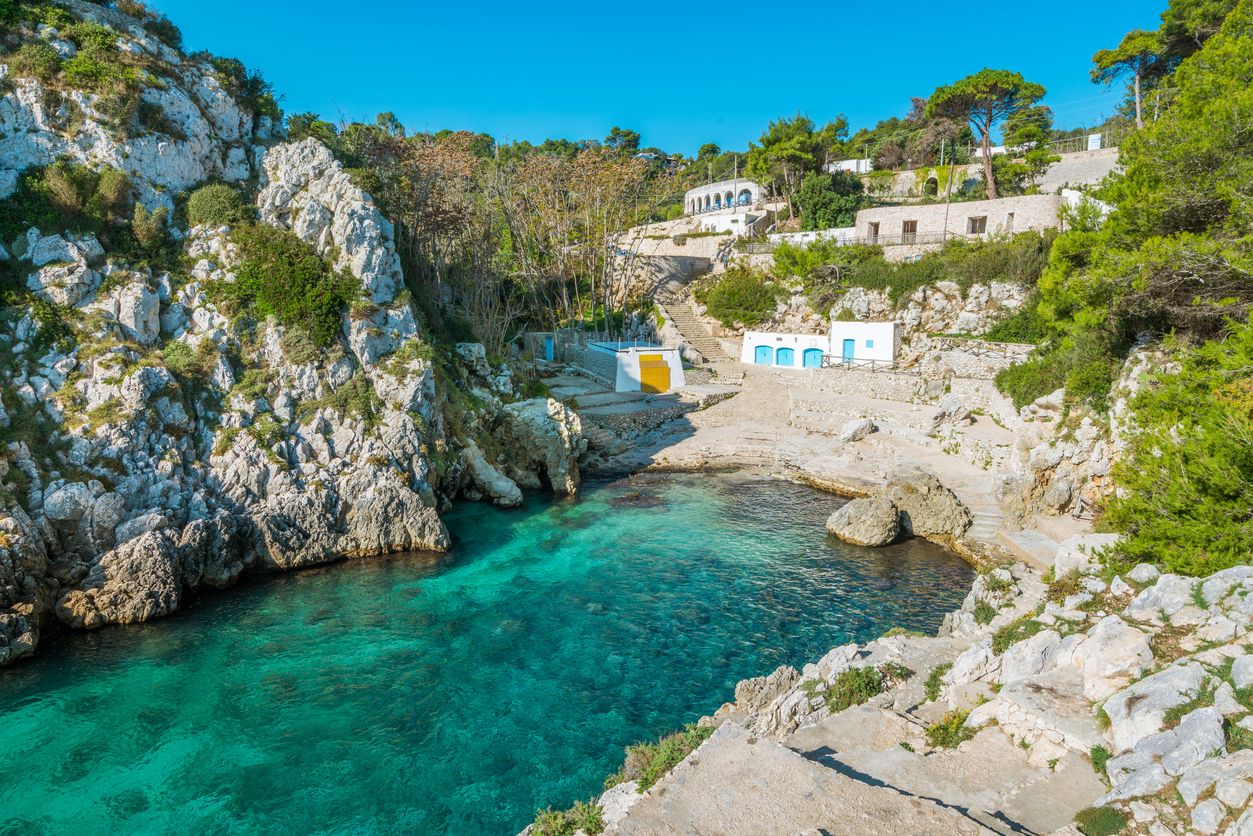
{"points": [[806, 600], [454, 693]]}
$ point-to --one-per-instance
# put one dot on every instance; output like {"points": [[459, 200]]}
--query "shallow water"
{"points": [[450, 694]]}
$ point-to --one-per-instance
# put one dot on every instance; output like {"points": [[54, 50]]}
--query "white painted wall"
{"points": [[841, 235], [797, 342], [862, 166], [871, 340], [628, 379]]}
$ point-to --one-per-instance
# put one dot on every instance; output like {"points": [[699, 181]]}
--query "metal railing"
{"points": [[984, 348], [835, 361], [903, 239]]}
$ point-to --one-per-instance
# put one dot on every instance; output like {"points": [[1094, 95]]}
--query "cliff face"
{"points": [[155, 440]]}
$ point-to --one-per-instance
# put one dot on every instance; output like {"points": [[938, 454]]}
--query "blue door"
{"points": [[849, 348], [812, 358], [761, 355], [785, 357], [548, 349]]}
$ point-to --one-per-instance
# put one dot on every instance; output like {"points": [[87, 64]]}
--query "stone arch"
{"points": [[728, 200], [706, 203], [745, 197], [931, 187]]}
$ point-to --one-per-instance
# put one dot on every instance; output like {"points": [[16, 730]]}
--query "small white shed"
{"points": [[642, 367]]}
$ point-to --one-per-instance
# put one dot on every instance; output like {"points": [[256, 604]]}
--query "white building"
{"points": [[863, 341], [862, 166], [644, 368], [855, 343], [724, 194]]}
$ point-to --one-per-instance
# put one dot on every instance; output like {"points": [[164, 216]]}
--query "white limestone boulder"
{"points": [[871, 521]]}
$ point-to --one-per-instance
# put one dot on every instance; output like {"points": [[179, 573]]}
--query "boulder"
{"points": [[134, 582], [866, 522], [927, 508], [502, 490], [857, 429], [753, 695], [69, 503], [950, 410], [139, 313], [1170, 594], [1138, 711], [544, 437], [1113, 654], [1242, 671], [1077, 553], [64, 284]]}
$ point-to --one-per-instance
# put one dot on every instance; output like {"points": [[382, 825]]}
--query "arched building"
{"points": [[725, 194]]}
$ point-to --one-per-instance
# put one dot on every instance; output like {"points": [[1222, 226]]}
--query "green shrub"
{"points": [[1031, 379], [741, 295], [854, 687], [935, 681], [215, 205], [1187, 474], [646, 763], [587, 816], [1099, 756], [35, 59], [68, 196], [281, 276], [1062, 588], [1025, 325], [550, 822], [1014, 632], [984, 612], [249, 89], [1100, 821], [950, 730]]}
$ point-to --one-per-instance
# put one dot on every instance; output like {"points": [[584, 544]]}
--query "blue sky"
{"points": [[681, 74]]}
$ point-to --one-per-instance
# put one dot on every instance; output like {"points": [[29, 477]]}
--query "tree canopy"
{"points": [[985, 99]]}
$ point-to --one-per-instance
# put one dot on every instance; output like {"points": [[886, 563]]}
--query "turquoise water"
{"points": [[451, 694]]}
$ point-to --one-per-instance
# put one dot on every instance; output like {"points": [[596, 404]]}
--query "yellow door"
{"points": [[654, 373]]}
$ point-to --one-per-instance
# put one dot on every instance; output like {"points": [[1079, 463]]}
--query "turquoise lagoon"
{"points": [[454, 693]]}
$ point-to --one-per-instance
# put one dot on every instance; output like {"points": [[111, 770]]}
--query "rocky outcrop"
{"points": [[204, 134], [1021, 704], [927, 508], [180, 447], [866, 522], [545, 440]]}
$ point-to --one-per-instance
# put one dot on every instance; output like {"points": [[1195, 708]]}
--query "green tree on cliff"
{"points": [[985, 99], [1137, 55]]}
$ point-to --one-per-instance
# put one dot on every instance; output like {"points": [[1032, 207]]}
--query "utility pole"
{"points": [[948, 196]]}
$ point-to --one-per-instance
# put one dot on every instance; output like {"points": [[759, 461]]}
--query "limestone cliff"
{"points": [[156, 440]]}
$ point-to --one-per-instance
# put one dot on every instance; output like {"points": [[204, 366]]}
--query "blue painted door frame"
{"points": [[761, 355], [812, 358], [850, 348], [785, 357]]}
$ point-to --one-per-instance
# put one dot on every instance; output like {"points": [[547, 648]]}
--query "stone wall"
{"points": [[1038, 212]]}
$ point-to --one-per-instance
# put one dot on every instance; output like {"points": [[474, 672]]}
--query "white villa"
{"points": [[724, 194]]}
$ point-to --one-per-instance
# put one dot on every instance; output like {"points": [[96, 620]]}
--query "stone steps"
{"points": [[694, 333]]}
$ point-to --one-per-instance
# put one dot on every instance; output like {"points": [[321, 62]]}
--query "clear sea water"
{"points": [[455, 693]]}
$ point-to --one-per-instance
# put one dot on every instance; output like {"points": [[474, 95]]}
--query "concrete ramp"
{"points": [[738, 784]]}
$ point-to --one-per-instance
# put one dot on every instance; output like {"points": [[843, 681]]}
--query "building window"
{"points": [[909, 232], [977, 226], [869, 343], [872, 232]]}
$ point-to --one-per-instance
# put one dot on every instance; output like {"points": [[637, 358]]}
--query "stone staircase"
{"points": [[694, 332]]}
